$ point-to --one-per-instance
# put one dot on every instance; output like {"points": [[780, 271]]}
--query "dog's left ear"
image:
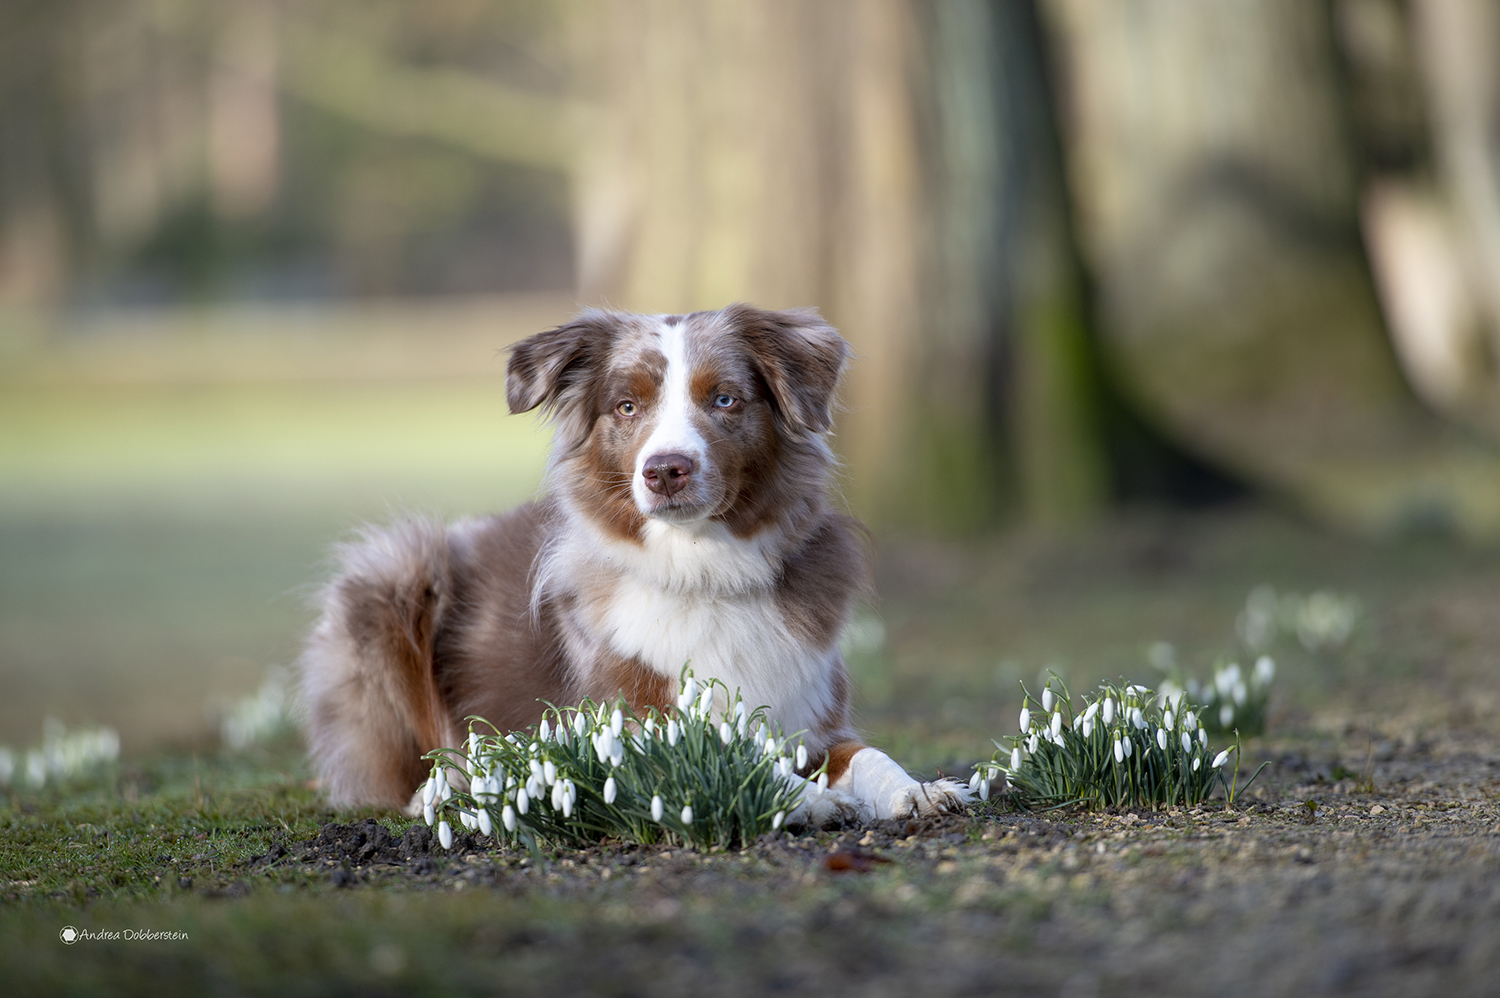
{"points": [[801, 357], [554, 368]]}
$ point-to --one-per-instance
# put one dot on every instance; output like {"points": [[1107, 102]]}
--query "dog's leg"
{"points": [[887, 791], [818, 808], [367, 673]]}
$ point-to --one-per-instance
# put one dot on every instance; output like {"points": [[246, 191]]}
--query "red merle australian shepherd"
{"points": [[686, 519]]}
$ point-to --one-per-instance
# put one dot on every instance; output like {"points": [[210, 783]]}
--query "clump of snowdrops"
{"points": [[1119, 747], [64, 755], [598, 770]]}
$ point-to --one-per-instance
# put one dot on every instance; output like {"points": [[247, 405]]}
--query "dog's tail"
{"points": [[367, 676]]}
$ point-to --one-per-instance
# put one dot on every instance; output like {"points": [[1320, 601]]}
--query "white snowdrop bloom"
{"points": [[1129, 745], [474, 743], [549, 773], [609, 790], [1167, 720], [1187, 742], [1203, 737], [601, 742], [777, 819], [1093, 709], [617, 722], [1056, 725], [580, 724], [1119, 751], [1015, 758], [1025, 719], [726, 733], [974, 780], [801, 756], [1189, 720], [1137, 718], [706, 700], [674, 731], [616, 752], [689, 692], [508, 818], [1221, 758], [558, 793], [442, 783], [429, 792], [687, 814], [739, 710], [739, 725], [822, 781], [523, 800], [1087, 726], [649, 727], [1265, 670], [544, 731], [1197, 761], [535, 788], [1032, 743], [783, 767], [657, 809], [567, 806], [984, 789], [1137, 690], [467, 819], [538, 772], [445, 835], [510, 781], [1161, 739], [1226, 716], [1240, 693], [486, 826], [429, 813], [1047, 698], [1109, 711]]}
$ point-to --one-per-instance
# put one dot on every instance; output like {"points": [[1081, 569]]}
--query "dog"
{"points": [[686, 518]]}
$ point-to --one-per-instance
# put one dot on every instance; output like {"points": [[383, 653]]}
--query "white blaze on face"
{"points": [[674, 431]]}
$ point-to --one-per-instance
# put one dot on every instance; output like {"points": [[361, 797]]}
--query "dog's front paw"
{"points": [[921, 800], [826, 809]]}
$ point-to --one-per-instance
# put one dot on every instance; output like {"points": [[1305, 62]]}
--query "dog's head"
{"points": [[710, 416]]}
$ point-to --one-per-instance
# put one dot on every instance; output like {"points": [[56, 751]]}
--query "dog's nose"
{"points": [[666, 474]]}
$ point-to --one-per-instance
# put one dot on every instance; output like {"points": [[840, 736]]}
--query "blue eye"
{"points": [[724, 401]]}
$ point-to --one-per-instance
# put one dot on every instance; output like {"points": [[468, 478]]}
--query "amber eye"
{"points": [[626, 408], [724, 401]]}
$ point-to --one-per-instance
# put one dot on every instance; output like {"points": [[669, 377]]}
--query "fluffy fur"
{"points": [[685, 519]]}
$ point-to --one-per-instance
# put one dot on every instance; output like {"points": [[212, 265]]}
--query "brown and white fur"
{"points": [[686, 520]]}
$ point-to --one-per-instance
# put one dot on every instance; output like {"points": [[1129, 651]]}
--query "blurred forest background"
{"points": [[259, 261]]}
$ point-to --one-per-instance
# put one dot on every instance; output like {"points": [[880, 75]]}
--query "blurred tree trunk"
{"points": [[1211, 161], [882, 160]]}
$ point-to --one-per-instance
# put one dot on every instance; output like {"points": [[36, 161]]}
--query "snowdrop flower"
{"points": [[1167, 720], [1265, 670], [616, 752], [1129, 746], [822, 782], [689, 694], [1221, 758], [1056, 726], [1109, 711], [1189, 720], [706, 700], [1137, 718], [1197, 761], [801, 756], [1226, 715], [649, 727], [486, 826], [656, 808], [1087, 726], [1015, 759], [1240, 693], [429, 813], [538, 772], [726, 733], [580, 723], [1119, 751], [523, 800], [445, 835], [616, 722], [1203, 737], [549, 773], [602, 745], [544, 731], [1161, 739], [1093, 709], [1032, 742], [674, 731], [1187, 742], [558, 793], [508, 818], [1047, 698], [1025, 719], [609, 790], [429, 792], [567, 805], [984, 789], [777, 819], [974, 780], [687, 814]]}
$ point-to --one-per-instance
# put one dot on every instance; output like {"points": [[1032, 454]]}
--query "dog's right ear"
{"points": [[553, 368]]}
